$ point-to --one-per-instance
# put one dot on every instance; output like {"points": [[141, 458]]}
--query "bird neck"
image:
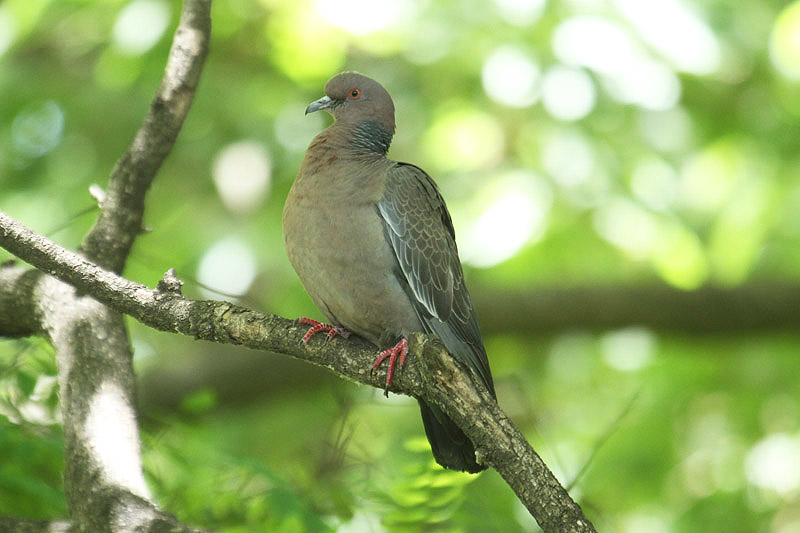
{"points": [[369, 137]]}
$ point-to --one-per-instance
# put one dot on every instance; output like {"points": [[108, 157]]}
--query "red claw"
{"points": [[317, 327], [397, 356]]}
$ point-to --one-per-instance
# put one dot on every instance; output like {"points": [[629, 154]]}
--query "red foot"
{"points": [[317, 327], [396, 355]]}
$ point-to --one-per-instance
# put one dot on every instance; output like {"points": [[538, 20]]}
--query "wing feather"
{"points": [[420, 232]]}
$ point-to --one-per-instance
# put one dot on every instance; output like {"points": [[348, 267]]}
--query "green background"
{"points": [[578, 143]]}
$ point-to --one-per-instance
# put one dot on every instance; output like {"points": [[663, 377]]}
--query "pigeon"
{"points": [[373, 245]]}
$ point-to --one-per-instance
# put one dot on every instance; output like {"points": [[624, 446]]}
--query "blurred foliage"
{"points": [[576, 141], [30, 439]]}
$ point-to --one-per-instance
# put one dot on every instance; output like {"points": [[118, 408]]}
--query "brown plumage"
{"points": [[374, 246]]}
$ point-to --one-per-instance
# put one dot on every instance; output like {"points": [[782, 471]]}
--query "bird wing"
{"points": [[420, 231]]}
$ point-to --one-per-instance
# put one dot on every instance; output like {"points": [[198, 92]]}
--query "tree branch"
{"points": [[21, 525], [155, 525], [103, 478], [737, 310], [109, 241], [17, 285], [432, 375], [707, 310]]}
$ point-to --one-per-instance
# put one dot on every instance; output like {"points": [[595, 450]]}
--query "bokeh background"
{"points": [[579, 144]]}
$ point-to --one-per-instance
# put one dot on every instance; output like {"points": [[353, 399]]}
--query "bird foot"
{"points": [[397, 356], [317, 327]]}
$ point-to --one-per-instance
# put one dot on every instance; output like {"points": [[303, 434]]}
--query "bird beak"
{"points": [[326, 102]]}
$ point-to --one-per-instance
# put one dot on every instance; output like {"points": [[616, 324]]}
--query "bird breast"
{"points": [[335, 241]]}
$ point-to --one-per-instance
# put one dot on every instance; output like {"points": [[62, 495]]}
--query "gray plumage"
{"points": [[374, 246]]}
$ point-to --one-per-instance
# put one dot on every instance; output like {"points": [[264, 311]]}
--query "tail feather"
{"points": [[451, 448]]}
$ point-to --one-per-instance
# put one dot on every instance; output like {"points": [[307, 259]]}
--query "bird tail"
{"points": [[451, 448]]}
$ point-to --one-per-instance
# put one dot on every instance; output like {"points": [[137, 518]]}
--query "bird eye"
{"points": [[354, 94]]}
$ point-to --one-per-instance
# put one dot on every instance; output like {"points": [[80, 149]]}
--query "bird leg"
{"points": [[317, 327], [397, 355]]}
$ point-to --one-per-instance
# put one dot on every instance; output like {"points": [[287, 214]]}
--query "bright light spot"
{"points": [[630, 75], [229, 267], [34, 409], [511, 77], [676, 31], [583, 6], [739, 232], [627, 226], [44, 388], [520, 12], [464, 140], [140, 25], [774, 463], [37, 129], [568, 93], [568, 156], [784, 43], [647, 83], [628, 349], [709, 177], [362, 17], [111, 431], [666, 131], [517, 214], [675, 251], [303, 46], [294, 129], [503, 228], [646, 521], [655, 183], [242, 175], [594, 42], [679, 256], [8, 30]]}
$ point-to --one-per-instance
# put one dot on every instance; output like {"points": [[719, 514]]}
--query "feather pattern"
{"points": [[420, 231]]}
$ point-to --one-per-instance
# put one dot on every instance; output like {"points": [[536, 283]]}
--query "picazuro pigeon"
{"points": [[374, 247]]}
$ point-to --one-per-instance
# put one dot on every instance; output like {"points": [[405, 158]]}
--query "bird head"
{"points": [[354, 99]]}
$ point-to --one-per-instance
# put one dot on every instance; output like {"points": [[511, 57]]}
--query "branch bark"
{"points": [[543, 311], [707, 310], [22, 525], [103, 479], [432, 375]]}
